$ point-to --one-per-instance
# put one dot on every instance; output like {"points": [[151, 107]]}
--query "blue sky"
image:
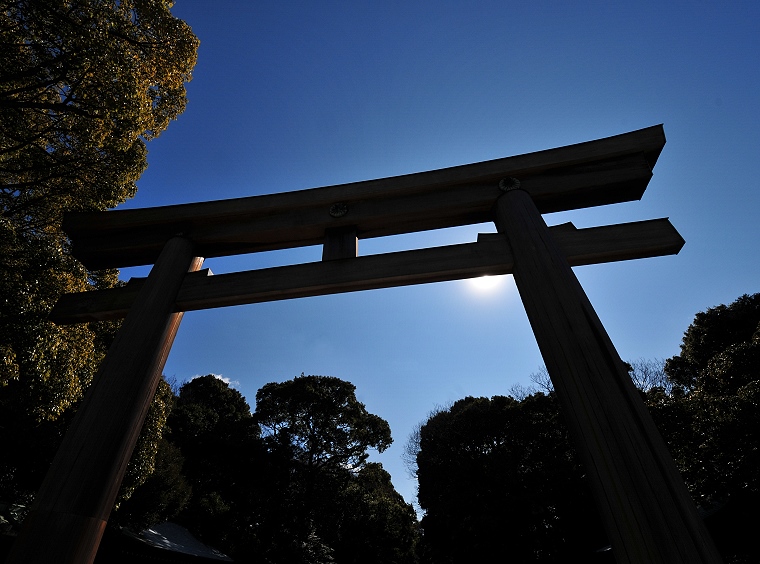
{"points": [[293, 95]]}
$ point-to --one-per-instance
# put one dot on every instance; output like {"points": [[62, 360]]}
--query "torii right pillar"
{"points": [[648, 513]]}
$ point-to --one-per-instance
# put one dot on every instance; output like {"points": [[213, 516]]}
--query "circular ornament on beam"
{"points": [[509, 183], [339, 210]]}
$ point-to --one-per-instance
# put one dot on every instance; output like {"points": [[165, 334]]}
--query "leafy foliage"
{"points": [[143, 461], [213, 429], [321, 421], [322, 432], [711, 333], [248, 491], [51, 364], [711, 421], [376, 525], [715, 415], [498, 476], [83, 85], [162, 495]]}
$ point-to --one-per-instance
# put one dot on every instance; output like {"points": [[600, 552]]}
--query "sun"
{"points": [[486, 283]]}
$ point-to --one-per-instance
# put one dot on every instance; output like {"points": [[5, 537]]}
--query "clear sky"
{"points": [[293, 95]]}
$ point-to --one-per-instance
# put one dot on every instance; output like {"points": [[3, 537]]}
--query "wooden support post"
{"points": [[71, 509], [648, 513], [340, 243]]}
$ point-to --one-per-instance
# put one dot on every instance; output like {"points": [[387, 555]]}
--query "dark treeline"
{"points": [[289, 482], [500, 476]]}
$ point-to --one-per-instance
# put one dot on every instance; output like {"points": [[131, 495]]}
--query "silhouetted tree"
{"points": [[499, 476], [335, 496], [711, 420], [225, 463], [320, 420], [301, 492], [499, 479], [376, 525], [714, 412], [162, 496]]}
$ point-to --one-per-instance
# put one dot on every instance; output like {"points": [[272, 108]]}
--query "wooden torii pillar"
{"points": [[648, 513]]}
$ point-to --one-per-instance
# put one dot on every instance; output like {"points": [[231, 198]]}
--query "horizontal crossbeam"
{"points": [[605, 171], [490, 255]]}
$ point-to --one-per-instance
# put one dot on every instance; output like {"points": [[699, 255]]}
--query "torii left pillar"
{"points": [[71, 510]]}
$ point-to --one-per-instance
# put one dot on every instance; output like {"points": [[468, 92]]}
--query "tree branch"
{"points": [[56, 106]]}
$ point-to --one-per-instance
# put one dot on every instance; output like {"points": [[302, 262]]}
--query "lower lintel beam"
{"points": [[489, 256]]}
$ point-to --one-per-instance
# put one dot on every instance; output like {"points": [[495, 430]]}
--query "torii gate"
{"points": [[648, 513]]}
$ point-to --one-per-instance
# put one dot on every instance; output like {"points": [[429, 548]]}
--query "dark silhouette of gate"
{"points": [[648, 513]]}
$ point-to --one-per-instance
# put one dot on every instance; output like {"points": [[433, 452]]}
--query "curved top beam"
{"points": [[605, 171]]}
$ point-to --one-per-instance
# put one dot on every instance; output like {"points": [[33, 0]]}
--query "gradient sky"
{"points": [[293, 95]]}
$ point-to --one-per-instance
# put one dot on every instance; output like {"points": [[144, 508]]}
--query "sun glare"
{"points": [[486, 283]]}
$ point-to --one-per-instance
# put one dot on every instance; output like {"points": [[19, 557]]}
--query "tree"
{"points": [[711, 421], [320, 433], [499, 477], [224, 463], [711, 333], [83, 85], [645, 374], [273, 498], [153, 472], [161, 496], [718, 371], [320, 420], [648, 374], [376, 525]]}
